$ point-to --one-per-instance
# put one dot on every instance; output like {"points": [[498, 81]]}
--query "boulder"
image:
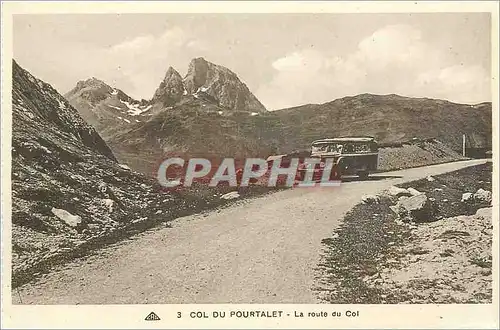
{"points": [[370, 199], [230, 195], [451, 234], [108, 203], [467, 197], [396, 191], [414, 192], [482, 196], [430, 178], [395, 208], [68, 218], [125, 167], [417, 208]]}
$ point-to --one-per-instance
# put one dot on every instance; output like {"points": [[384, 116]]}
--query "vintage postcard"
{"points": [[250, 165]]}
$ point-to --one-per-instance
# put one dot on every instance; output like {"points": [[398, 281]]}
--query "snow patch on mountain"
{"points": [[135, 109]]}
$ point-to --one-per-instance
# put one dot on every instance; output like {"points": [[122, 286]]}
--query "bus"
{"points": [[353, 155]]}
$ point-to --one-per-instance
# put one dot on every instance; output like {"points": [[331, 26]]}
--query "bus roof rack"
{"points": [[357, 138]]}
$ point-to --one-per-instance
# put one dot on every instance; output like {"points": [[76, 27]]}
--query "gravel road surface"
{"points": [[262, 250]]}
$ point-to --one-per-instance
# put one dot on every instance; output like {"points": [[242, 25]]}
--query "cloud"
{"points": [[306, 60], [468, 84], [393, 59], [144, 59], [174, 37], [394, 43], [136, 65]]}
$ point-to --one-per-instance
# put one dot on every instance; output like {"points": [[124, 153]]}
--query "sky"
{"points": [[285, 59]]}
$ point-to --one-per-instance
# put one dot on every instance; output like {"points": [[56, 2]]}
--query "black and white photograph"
{"points": [[332, 159]]}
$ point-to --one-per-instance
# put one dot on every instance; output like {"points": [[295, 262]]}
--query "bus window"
{"points": [[362, 148], [349, 148]]}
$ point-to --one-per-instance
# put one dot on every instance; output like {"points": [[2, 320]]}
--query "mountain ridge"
{"points": [[217, 81], [190, 115]]}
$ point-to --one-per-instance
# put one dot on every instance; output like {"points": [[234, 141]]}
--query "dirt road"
{"points": [[262, 250]]}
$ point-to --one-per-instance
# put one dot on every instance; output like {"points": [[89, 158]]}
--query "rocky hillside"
{"points": [[415, 153], [390, 118], [69, 194]]}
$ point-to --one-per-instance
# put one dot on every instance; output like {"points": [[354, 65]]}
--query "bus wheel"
{"points": [[363, 175]]}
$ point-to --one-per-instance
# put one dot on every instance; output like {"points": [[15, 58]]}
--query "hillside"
{"points": [[69, 194], [199, 127], [389, 118]]}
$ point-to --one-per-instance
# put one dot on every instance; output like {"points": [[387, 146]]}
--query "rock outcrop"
{"points": [[482, 196], [417, 208], [222, 84], [171, 89]]}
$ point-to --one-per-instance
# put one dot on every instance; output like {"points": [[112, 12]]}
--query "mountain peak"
{"points": [[209, 81], [94, 90], [199, 59], [171, 88], [171, 70], [172, 74], [91, 82], [221, 84]]}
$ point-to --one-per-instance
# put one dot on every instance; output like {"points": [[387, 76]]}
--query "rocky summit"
{"points": [[222, 84], [210, 82], [171, 89], [106, 108]]}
